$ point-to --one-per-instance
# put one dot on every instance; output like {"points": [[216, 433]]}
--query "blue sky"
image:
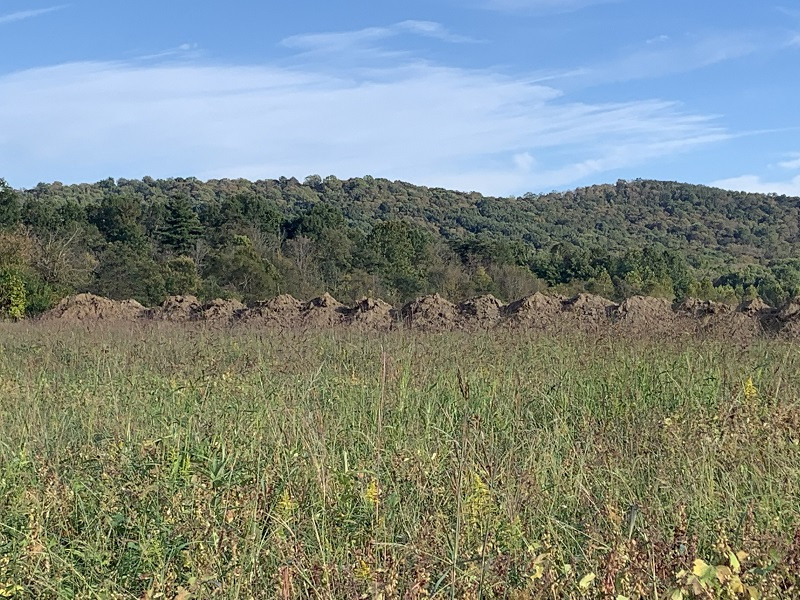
{"points": [[497, 96]]}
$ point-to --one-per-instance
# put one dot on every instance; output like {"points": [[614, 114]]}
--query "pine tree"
{"points": [[181, 226]]}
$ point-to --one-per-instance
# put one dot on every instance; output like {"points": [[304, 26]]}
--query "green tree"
{"points": [[118, 219], [13, 297], [181, 226], [124, 273], [239, 268], [181, 276], [10, 206]]}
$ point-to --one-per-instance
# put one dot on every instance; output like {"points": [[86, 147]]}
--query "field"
{"points": [[178, 461]]}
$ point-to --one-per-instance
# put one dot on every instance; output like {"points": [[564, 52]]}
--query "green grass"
{"points": [[171, 462]]}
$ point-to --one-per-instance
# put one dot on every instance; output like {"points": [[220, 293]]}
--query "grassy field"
{"points": [[182, 463]]}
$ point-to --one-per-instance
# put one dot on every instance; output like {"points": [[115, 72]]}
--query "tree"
{"points": [[10, 206], [124, 272], [12, 294], [117, 217], [181, 226], [239, 268]]}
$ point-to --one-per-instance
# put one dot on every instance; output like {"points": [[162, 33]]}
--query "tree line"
{"points": [[147, 239]]}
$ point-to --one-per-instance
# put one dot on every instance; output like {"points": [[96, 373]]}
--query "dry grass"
{"points": [[169, 462]]}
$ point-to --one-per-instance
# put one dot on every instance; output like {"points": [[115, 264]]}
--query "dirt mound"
{"points": [[324, 311], [643, 315], [589, 305], [88, 307], [480, 312], [537, 310], [430, 313], [789, 311], [699, 309], [220, 311], [178, 309], [373, 314], [786, 320], [281, 311], [754, 307]]}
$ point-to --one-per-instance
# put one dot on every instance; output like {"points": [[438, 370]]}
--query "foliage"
{"points": [[363, 235], [13, 297]]}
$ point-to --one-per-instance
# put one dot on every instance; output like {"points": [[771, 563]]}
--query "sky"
{"points": [[501, 97]]}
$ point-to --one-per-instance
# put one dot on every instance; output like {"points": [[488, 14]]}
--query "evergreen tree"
{"points": [[181, 226]]}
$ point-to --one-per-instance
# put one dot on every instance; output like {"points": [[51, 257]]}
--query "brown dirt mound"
{"points": [[589, 305], [754, 307], [220, 311], [786, 320], [537, 310], [587, 312], [281, 311], [430, 313], [643, 316], [324, 311], [373, 314], [178, 309], [88, 307], [698, 309], [480, 312]]}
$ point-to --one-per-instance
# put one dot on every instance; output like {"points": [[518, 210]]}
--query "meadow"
{"points": [[179, 462]]}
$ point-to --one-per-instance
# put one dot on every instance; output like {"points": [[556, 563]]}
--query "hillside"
{"points": [[146, 239]]}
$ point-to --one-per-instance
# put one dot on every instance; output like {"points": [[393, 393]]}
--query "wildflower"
{"points": [[363, 572], [373, 493], [750, 390], [287, 504]]}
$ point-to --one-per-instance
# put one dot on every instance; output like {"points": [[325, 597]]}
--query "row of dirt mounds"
{"points": [[639, 315]]}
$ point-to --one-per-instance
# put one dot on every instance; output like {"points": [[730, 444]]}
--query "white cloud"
{"points": [[658, 39], [368, 37], [795, 41], [524, 161], [756, 184], [543, 6], [793, 163], [28, 14], [417, 122], [668, 57]]}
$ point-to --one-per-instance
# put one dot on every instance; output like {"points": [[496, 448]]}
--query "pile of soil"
{"points": [[281, 311], [324, 311], [372, 314], [637, 316], [430, 313], [177, 309], [719, 320], [700, 309], [88, 307], [537, 310], [643, 315], [755, 307], [220, 311], [787, 319], [481, 312]]}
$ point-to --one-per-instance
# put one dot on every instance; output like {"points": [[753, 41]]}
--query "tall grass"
{"points": [[171, 462]]}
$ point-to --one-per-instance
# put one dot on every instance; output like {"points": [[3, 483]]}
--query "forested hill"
{"points": [[149, 238]]}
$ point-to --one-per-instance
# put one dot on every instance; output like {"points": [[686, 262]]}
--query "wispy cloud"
{"points": [[791, 164], [757, 184], [794, 41], [419, 122], [28, 14], [370, 36], [542, 6], [670, 56], [185, 50]]}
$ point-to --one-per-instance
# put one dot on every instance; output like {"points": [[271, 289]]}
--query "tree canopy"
{"points": [[251, 239]]}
